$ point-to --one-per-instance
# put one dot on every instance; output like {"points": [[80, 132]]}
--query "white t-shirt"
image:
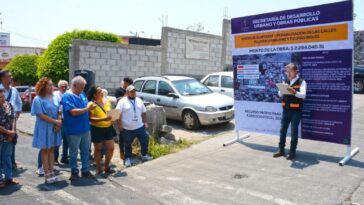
{"points": [[59, 95], [131, 113]]}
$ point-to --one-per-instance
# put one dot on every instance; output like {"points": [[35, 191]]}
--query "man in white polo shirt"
{"points": [[133, 123]]}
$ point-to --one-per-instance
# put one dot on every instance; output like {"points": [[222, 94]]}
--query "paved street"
{"points": [[207, 173]]}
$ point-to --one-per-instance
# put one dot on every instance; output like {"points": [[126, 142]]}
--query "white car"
{"points": [[221, 82], [186, 99]]}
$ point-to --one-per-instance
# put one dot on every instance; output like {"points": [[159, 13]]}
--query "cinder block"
{"points": [[90, 48], [101, 49], [112, 50], [132, 51], [115, 56], [140, 52], [144, 58], [122, 50], [100, 61], [140, 64], [125, 57], [95, 55], [105, 55], [111, 62], [90, 61], [84, 54]]}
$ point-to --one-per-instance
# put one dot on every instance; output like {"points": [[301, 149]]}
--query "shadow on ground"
{"points": [[304, 159]]}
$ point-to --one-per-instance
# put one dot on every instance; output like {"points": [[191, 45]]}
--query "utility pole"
{"points": [[1, 22]]}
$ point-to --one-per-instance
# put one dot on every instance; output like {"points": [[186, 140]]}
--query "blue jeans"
{"points": [[1, 166], [129, 136], [13, 153], [82, 142], [64, 147], [292, 116], [6, 162], [64, 144]]}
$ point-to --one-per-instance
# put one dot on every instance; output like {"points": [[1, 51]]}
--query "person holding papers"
{"points": [[292, 100], [101, 128]]}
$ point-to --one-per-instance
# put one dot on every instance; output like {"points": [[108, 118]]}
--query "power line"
{"points": [[27, 37]]}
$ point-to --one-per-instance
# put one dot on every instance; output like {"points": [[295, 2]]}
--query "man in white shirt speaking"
{"points": [[133, 123], [292, 110]]}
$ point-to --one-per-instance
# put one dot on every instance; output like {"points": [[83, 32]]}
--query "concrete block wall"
{"points": [[111, 62], [174, 53]]}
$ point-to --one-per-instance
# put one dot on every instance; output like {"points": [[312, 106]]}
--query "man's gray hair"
{"points": [[78, 80], [60, 82]]}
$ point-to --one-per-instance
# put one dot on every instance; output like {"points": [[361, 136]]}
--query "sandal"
{"points": [[109, 171], [49, 179], [99, 172], [54, 178], [11, 182]]}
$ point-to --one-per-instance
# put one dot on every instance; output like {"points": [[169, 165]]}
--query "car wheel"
{"points": [[190, 120], [358, 85]]}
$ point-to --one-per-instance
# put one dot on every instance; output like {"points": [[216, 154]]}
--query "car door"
{"points": [[138, 88], [149, 91], [213, 83], [227, 84], [170, 104]]}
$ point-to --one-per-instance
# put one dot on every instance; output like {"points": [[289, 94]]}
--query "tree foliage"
{"points": [[53, 62], [24, 69]]}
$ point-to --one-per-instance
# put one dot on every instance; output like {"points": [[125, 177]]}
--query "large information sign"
{"points": [[319, 40]]}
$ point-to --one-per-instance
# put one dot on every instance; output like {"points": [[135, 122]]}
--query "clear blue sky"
{"points": [[37, 22]]}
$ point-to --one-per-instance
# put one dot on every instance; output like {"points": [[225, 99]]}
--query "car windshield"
{"points": [[190, 87]]}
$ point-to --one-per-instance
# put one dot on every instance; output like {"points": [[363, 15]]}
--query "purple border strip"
{"points": [[329, 13]]}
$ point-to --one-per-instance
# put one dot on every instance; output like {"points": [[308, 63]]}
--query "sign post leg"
{"points": [[349, 155], [237, 139]]}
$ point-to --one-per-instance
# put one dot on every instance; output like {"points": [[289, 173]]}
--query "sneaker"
{"points": [[40, 171], [127, 162], [65, 161], [87, 175], [146, 158], [74, 176], [56, 162]]}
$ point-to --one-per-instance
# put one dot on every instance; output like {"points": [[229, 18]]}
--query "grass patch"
{"points": [[157, 150]]}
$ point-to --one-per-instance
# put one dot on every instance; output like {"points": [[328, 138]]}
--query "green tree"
{"points": [[53, 62], [24, 69]]}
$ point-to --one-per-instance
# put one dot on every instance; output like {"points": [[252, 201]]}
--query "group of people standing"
{"points": [[76, 118], [83, 119]]}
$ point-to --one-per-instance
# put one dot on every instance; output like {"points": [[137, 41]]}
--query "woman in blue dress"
{"points": [[48, 123]]}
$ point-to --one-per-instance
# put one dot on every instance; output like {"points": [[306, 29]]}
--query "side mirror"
{"points": [[173, 95]]}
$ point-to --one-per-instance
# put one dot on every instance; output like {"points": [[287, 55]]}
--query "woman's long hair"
{"points": [[91, 93]]}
